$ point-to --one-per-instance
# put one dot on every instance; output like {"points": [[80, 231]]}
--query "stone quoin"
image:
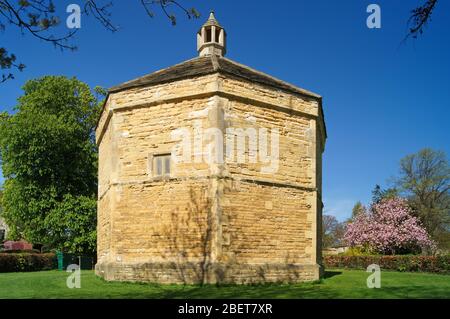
{"points": [[196, 221]]}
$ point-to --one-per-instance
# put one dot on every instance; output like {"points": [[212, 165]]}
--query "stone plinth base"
{"points": [[194, 273]]}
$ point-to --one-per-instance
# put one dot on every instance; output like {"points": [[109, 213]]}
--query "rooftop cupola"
{"points": [[211, 39]]}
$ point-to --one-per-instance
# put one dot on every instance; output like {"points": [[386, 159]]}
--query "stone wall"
{"points": [[258, 226], [135, 209], [193, 273]]}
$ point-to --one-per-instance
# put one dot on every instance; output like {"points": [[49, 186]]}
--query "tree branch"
{"points": [[419, 18], [38, 18]]}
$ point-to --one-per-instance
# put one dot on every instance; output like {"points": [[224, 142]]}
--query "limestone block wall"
{"points": [[296, 146], [152, 222], [148, 226], [257, 92], [163, 92], [271, 218], [135, 209], [266, 225], [104, 209], [146, 131]]}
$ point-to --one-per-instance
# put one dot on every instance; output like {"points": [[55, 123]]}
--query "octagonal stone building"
{"points": [[210, 171]]}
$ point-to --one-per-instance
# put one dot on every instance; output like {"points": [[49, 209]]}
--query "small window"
{"points": [[161, 165], [208, 35], [217, 35]]}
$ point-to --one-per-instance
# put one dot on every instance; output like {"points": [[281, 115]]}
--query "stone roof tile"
{"points": [[207, 65]]}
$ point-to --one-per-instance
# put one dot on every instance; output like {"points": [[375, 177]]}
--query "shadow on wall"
{"points": [[190, 236]]}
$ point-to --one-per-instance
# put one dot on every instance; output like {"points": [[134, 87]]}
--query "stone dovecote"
{"points": [[181, 202]]}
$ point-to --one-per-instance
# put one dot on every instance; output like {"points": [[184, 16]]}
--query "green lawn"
{"points": [[336, 284]]}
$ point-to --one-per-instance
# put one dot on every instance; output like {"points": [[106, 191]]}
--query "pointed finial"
{"points": [[211, 16], [212, 20]]}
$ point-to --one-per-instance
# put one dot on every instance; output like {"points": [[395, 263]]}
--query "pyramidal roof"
{"points": [[205, 65], [212, 21]]}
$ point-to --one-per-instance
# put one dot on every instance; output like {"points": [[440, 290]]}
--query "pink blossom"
{"points": [[388, 227]]}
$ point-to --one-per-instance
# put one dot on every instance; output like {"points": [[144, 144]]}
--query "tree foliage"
{"points": [[1, 206], [378, 194], [357, 209], [332, 231], [388, 227], [49, 160], [425, 180]]}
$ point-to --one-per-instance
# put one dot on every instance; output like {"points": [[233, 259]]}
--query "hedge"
{"points": [[436, 264], [27, 262], [21, 251]]}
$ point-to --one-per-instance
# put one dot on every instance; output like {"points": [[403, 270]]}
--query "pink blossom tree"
{"points": [[388, 227]]}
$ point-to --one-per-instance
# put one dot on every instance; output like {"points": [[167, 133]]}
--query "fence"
{"points": [[65, 259]]}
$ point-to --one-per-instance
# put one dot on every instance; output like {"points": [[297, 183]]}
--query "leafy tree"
{"points": [[379, 194], [72, 224], [2, 225], [332, 231], [1, 204], [49, 160], [425, 181], [357, 209], [388, 228]]}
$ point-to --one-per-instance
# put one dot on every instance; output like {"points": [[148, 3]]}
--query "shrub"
{"points": [[356, 251], [22, 251], [436, 264], [26, 262]]}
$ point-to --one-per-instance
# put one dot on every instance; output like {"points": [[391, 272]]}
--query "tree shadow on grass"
{"points": [[329, 274], [253, 291], [244, 291]]}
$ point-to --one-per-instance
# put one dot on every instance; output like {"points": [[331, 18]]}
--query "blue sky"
{"points": [[382, 99]]}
